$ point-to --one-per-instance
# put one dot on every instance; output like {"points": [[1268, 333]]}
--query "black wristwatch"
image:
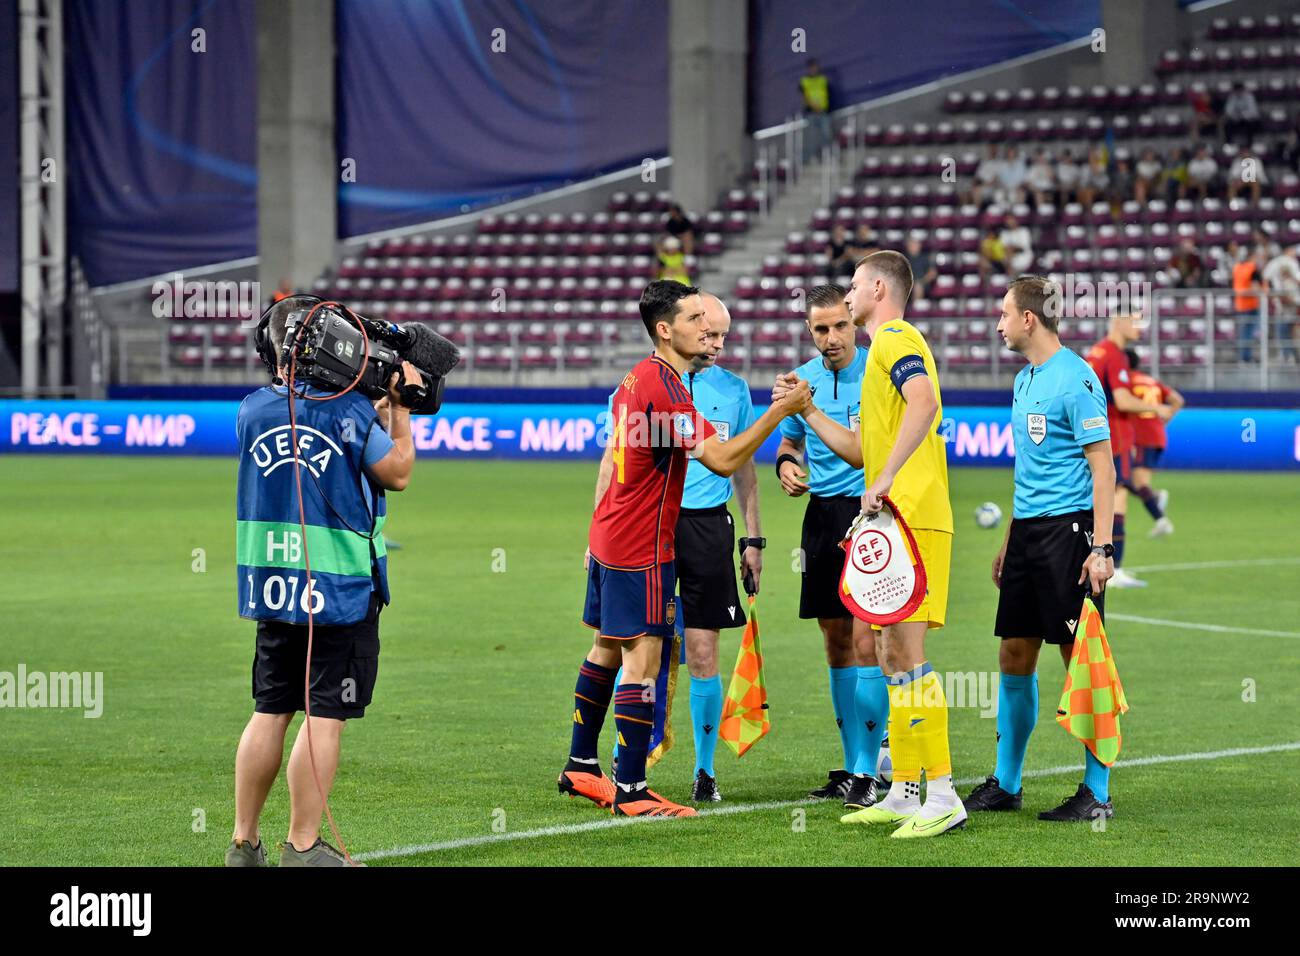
{"points": [[1105, 550], [759, 543]]}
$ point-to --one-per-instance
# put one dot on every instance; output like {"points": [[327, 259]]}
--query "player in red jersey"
{"points": [[1149, 438], [631, 571], [1108, 360]]}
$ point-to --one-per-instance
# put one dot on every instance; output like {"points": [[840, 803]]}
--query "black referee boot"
{"points": [[705, 789], [989, 795], [1082, 806], [862, 792], [835, 787]]}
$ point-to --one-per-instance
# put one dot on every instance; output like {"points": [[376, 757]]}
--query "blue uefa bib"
{"points": [[344, 511]]}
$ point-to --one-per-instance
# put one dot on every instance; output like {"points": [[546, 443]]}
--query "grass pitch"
{"points": [[470, 724]]}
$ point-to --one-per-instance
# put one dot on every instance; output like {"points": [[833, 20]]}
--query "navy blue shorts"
{"points": [[628, 604], [1123, 469], [1147, 457]]}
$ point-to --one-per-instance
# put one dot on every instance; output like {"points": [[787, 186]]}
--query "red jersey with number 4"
{"points": [[1148, 429], [1111, 365], [654, 424]]}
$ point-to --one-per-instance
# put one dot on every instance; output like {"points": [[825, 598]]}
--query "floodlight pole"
{"points": [[43, 252]]}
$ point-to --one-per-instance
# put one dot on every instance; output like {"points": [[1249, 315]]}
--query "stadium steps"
{"points": [[791, 213]]}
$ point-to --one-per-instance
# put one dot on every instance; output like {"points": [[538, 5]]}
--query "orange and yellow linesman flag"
{"points": [[1093, 697], [744, 714]]}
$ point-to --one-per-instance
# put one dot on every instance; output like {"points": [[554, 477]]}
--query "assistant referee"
{"points": [[858, 697], [1058, 545]]}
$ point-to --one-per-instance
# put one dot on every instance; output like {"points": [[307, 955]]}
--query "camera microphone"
{"points": [[428, 350], [433, 355]]}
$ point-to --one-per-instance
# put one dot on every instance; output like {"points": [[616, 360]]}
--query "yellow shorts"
{"points": [[936, 556]]}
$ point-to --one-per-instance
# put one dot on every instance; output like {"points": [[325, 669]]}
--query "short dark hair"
{"points": [[826, 296], [1134, 360], [280, 313], [1031, 294], [659, 301], [894, 268]]}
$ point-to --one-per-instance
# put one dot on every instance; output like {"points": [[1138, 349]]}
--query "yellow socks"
{"points": [[918, 725], [902, 745], [930, 726]]}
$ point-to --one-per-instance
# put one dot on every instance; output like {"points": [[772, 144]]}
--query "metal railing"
{"points": [[1194, 338]]}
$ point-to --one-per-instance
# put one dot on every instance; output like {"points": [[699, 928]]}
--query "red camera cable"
{"points": [[302, 524]]}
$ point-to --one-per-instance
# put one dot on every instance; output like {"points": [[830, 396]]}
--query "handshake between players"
{"points": [[631, 569]]}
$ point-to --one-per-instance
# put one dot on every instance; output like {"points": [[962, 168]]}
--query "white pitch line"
{"points": [[609, 822], [1198, 626], [1210, 565], [565, 829]]}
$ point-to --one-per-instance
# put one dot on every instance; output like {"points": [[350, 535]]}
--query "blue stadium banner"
{"points": [[1214, 438], [872, 50]]}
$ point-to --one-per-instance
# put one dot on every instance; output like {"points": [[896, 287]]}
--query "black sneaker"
{"points": [[1082, 806], [862, 792], [705, 789], [989, 795], [836, 786]]}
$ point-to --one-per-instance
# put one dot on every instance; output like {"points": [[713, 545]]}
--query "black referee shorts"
{"points": [[1041, 595], [825, 522], [344, 666], [706, 572]]}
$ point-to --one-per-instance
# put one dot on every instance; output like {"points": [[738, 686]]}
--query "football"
{"points": [[988, 515], [884, 766]]}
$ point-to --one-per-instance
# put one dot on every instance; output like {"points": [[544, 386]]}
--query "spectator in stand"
{"points": [[1122, 186], [1240, 115], [1147, 182], [1201, 172], [865, 242], [923, 269], [1259, 239], [680, 227], [815, 89], [1018, 246], [1224, 261], [1175, 177], [1094, 180], [1204, 117], [993, 256], [1011, 178], [840, 252], [672, 261], [1289, 146], [1186, 269], [1068, 175], [1247, 284], [1282, 278], [987, 174], [1246, 172], [1041, 179]]}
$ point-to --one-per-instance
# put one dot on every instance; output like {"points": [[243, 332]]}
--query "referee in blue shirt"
{"points": [[859, 697], [706, 539], [1058, 545]]}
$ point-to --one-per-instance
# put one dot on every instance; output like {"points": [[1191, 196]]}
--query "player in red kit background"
{"points": [[631, 572], [1149, 438], [1109, 361]]}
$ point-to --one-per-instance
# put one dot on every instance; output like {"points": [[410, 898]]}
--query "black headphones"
{"points": [[262, 335]]}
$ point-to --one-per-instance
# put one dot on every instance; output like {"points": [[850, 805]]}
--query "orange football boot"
{"points": [[647, 803], [586, 780]]}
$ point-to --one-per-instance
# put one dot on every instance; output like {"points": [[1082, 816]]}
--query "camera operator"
{"points": [[346, 461]]}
